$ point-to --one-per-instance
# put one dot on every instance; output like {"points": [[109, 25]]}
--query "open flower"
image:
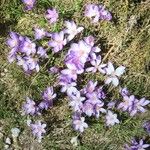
{"points": [[58, 41], [29, 107], [92, 12], [28, 47], [38, 129], [72, 29], [113, 74], [29, 4], [52, 15], [79, 124], [39, 33], [97, 66], [49, 94], [76, 101], [111, 118], [135, 145]]}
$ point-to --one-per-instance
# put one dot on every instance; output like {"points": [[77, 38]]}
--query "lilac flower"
{"points": [[39, 33], [99, 109], [146, 126], [29, 107], [28, 47], [76, 101], [12, 55], [105, 14], [45, 104], [13, 41], [42, 52], [90, 87], [114, 74], [38, 129], [89, 40], [92, 12], [81, 50], [29, 4], [49, 94], [97, 66], [33, 63], [127, 103], [124, 92], [57, 42], [52, 15], [69, 88], [137, 145], [93, 98], [138, 106], [53, 70], [79, 124], [22, 62], [111, 104], [72, 29], [100, 93], [88, 109], [111, 118]]}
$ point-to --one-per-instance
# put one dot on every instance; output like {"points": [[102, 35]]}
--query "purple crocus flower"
{"points": [[92, 12], [76, 101], [88, 109], [97, 66], [33, 64], [93, 98], [137, 145], [124, 92], [98, 108], [52, 15], [42, 52], [113, 74], [79, 124], [104, 14], [12, 55], [81, 49], [21, 61], [69, 88], [30, 107], [38, 129], [28, 47], [100, 93], [138, 106], [39, 33], [111, 118], [127, 103], [146, 126], [90, 87], [29, 4], [72, 29], [58, 41], [89, 40], [53, 70], [13, 41], [49, 94]]}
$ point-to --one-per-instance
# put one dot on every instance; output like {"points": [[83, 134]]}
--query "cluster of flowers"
{"points": [[135, 145], [97, 12], [81, 57], [25, 52], [31, 108], [131, 104]]}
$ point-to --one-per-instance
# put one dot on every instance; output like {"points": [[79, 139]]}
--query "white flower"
{"points": [[114, 74], [72, 29], [15, 132], [111, 119], [74, 141]]}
